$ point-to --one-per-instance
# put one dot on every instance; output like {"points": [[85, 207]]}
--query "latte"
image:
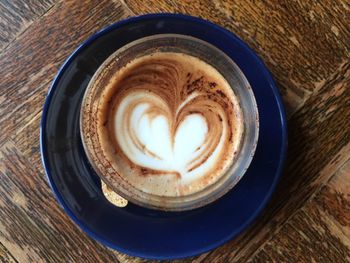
{"points": [[168, 123]]}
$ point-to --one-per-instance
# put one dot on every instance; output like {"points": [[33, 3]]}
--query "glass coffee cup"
{"points": [[109, 171]]}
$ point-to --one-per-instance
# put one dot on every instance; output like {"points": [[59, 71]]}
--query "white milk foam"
{"points": [[171, 154]]}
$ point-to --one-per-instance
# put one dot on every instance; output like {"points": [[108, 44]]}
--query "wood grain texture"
{"points": [[33, 226], [5, 255], [319, 139], [29, 64], [302, 42], [26, 138], [334, 200], [129, 259], [17, 15], [320, 231], [306, 46]]}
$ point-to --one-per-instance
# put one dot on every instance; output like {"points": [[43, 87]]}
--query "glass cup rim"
{"points": [[173, 203]]}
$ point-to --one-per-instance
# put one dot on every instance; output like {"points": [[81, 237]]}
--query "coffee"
{"points": [[169, 124]]}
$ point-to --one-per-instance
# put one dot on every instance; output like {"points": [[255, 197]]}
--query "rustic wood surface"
{"points": [[305, 44]]}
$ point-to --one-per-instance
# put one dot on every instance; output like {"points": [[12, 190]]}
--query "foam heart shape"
{"points": [[150, 138], [177, 152]]}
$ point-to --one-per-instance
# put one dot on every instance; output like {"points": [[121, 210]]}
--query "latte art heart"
{"points": [[170, 124], [152, 137]]}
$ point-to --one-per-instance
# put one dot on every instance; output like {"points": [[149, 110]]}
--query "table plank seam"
{"points": [[308, 200], [35, 222], [127, 8], [20, 33], [275, 210]]}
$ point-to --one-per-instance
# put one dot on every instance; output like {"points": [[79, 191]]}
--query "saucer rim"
{"points": [[264, 71]]}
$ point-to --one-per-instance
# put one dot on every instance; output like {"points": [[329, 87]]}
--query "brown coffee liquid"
{"points": [[170, 124]]}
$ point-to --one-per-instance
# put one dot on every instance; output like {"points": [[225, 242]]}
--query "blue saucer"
{"points": [[135, 230]]}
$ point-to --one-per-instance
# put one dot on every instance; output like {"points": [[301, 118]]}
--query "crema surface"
{"points": [[169, 124]]}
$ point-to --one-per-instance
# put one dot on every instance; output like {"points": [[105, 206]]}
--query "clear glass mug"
{"points": [[180, 44]]}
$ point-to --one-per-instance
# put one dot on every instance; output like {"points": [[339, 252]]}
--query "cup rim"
{"points": [[172, 203]]}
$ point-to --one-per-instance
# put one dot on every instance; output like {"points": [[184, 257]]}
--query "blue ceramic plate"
{"points": [[135, 230]]}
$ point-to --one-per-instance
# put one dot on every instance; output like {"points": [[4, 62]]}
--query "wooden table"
{"points": [[305, 44]]}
